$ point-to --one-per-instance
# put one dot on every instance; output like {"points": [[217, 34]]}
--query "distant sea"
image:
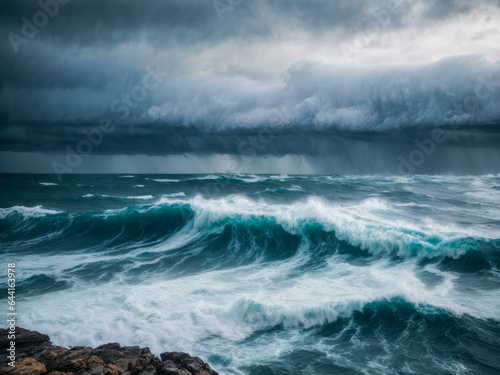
{"points": [[263, 274]]}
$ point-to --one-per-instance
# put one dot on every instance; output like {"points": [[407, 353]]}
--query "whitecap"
{"points": [[208, 177], [37, 211], [141, 197], [180, 194], [165, 180]]}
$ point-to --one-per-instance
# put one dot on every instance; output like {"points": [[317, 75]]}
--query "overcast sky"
{"points": [[295, 86]]}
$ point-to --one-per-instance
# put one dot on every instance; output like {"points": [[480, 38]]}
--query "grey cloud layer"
{"points": [[76, 71], [161, 23], [213, 114], [87, 22]]}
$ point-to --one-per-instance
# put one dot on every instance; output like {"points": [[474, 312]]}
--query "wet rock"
{"points": [[36, 355], [170, 368], [193, 365], [27, 366]]}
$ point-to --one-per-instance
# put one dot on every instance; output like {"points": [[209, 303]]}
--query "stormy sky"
{"points": [[261, 86]]}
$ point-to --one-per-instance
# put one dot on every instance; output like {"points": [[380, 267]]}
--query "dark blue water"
{"points": [[263, 274]]}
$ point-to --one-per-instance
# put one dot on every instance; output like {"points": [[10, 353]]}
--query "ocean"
{"points": [[263, 274]]}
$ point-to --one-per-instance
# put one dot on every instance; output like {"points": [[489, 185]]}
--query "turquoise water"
{"points": [[263, 274]]}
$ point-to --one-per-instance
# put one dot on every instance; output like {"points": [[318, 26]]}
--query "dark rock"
{"points": [[27, 342], [36, 355], [27, 366], [184, 361], [170, 368], [50, 355], [24, 338]]}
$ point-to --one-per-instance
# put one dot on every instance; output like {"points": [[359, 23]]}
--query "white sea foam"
{"points": [[48, 183], [373, 224], [231, 305], [172, 195], [37, 211], [250, 178], [281, 178], [207, 177], [165, 180]]}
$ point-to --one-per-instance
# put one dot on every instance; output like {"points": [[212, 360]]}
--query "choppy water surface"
{"points": [[264, 274]]}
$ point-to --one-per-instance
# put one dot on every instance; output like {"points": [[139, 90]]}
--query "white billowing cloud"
{"points": [[310, 95], [458, 90]]}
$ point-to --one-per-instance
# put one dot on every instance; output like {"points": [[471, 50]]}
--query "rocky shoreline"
{"points": [[35, 355]]}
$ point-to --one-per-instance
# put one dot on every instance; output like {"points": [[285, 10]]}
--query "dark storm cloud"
{"points": [[213, 114], [97, 22], [177, 140], [108, 21], [84, 64]]}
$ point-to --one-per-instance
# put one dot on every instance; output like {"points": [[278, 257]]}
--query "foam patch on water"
{"points": [[207, 177], [234, 304], [172, 195], [373, 224], [48, 183], [37, 211], [251, 178], [165, 180]]}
